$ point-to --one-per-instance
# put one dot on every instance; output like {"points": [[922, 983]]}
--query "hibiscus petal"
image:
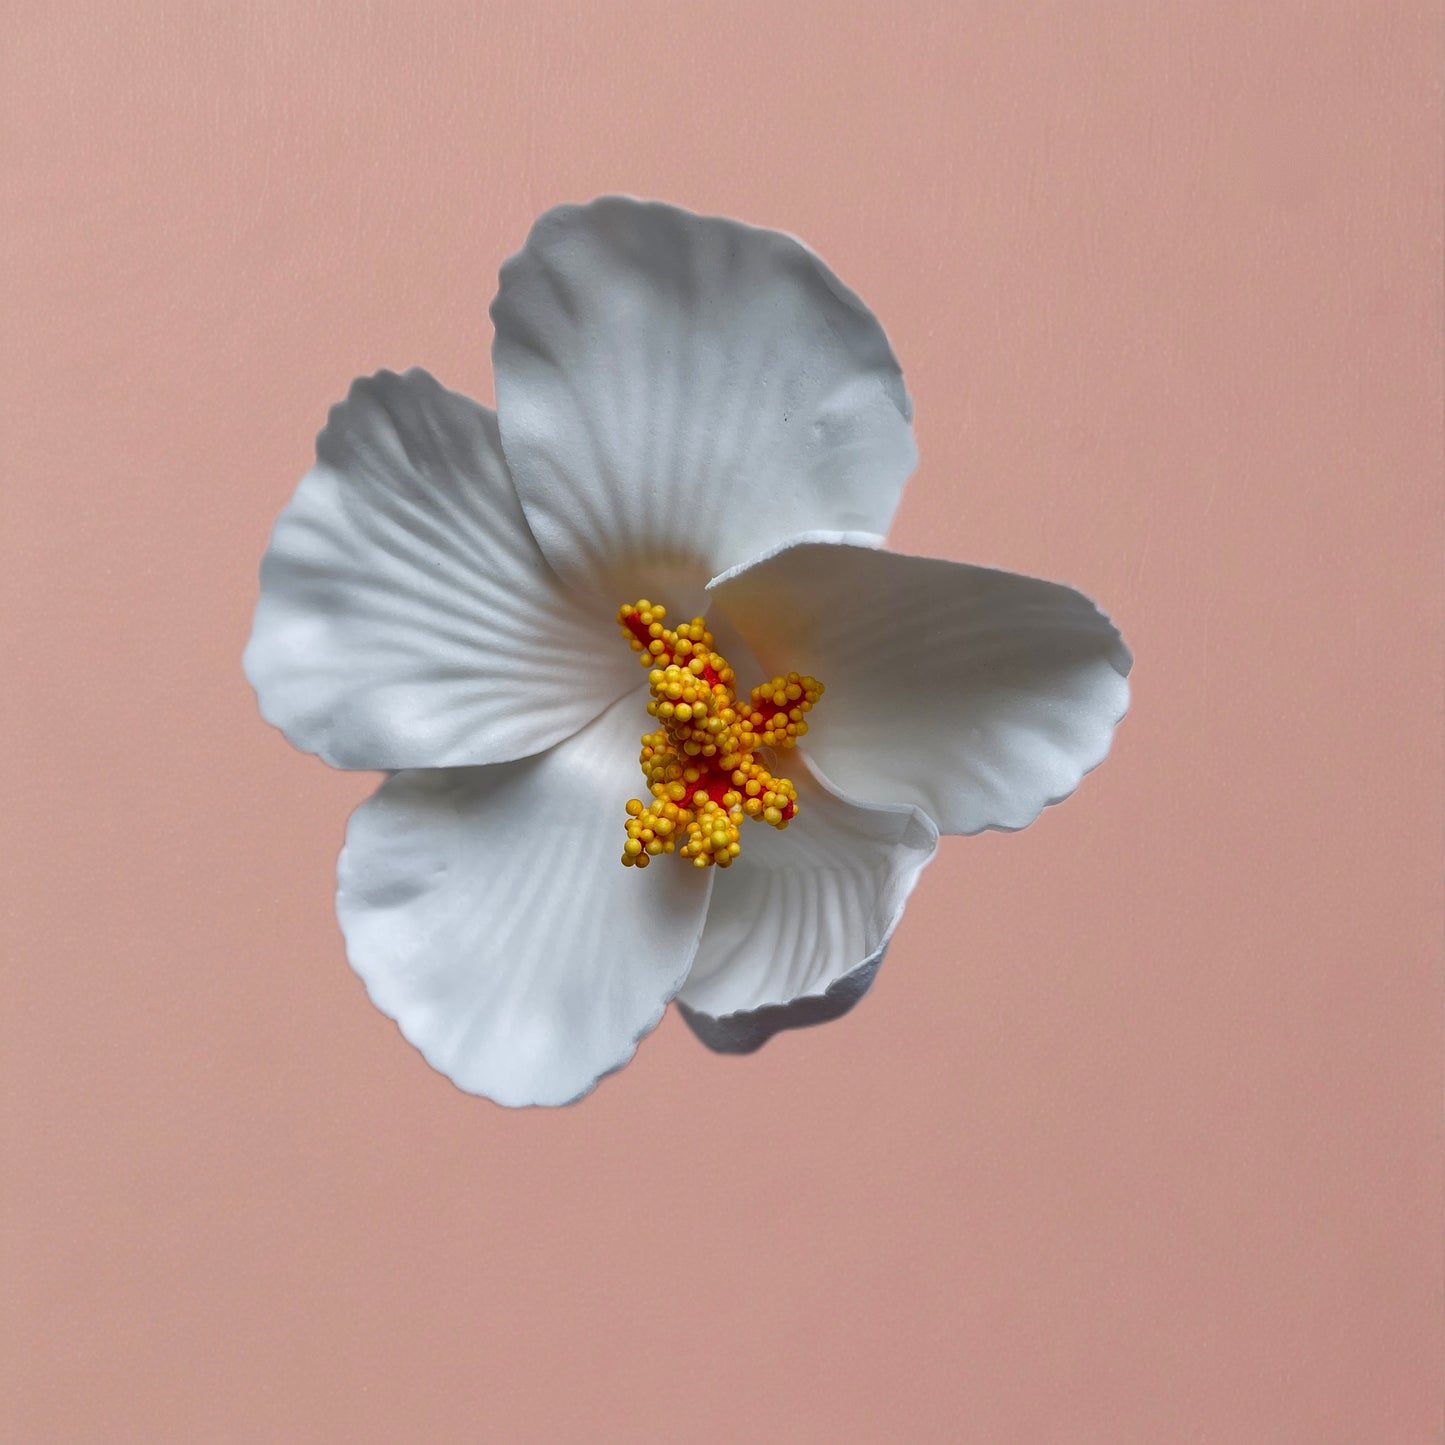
{"points": [[679, 392], [980, 696], [407, 617], [798, 925], [488, 913]]}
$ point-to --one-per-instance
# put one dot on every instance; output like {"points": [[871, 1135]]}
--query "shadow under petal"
{"points": [[747, 1032]]}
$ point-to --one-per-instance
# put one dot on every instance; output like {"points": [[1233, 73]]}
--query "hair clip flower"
{"points": [[701, 437]]}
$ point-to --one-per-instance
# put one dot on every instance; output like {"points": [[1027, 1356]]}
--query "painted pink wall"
{"points": [[1138, 1138]]}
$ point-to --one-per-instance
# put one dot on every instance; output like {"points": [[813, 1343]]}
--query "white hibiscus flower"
{"points": [[691, 414]]}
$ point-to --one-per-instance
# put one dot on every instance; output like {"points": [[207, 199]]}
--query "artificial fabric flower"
{"points": [[701, 437]]}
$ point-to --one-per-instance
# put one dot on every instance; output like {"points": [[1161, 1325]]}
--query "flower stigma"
{"points": [[701, 765]]}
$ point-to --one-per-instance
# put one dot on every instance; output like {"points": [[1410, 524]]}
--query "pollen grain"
{"points": [[701, 765]]}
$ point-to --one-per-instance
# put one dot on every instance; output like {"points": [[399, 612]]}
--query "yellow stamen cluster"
{"points": [[701, 765]]}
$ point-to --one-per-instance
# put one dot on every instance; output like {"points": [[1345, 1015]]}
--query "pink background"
{"points": [[1138, 1138]]}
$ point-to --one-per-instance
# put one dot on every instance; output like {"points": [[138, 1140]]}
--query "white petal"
{"points": [[488, 913], [406, 617], [679, 392], [979, 696], [798, 925]]}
